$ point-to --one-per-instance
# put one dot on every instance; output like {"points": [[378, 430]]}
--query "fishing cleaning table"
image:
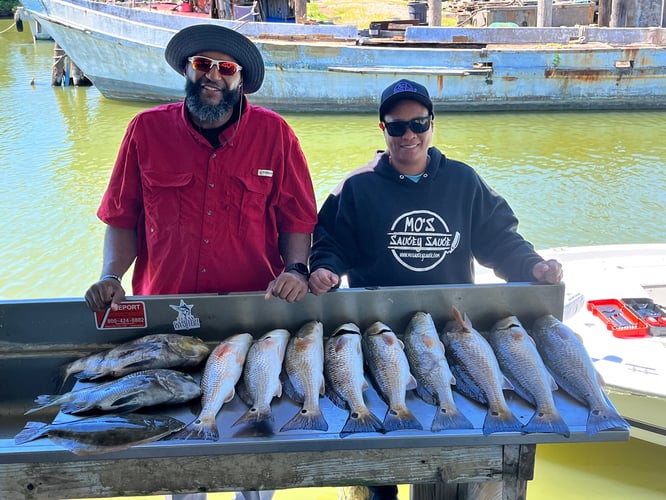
{"points": [[38, 337]]}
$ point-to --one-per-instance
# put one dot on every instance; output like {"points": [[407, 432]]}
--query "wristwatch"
{"points": [[299, 267]]}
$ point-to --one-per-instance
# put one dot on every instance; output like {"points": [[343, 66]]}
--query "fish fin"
{"points": [[44, 401], [547, 422], [501, 422], [336, 399], [312, 420], [600, 379], [449, 418], [553, 385], [31, 430], [322, 387], [255, 416], [290, 390], [463, 321], [604, 418], [426, 395], [366, 422], [403, 418], [411, 383], [241, 390], [506, 384]]}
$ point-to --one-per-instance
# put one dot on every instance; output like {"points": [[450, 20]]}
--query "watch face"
{"points": [[299, 267]]}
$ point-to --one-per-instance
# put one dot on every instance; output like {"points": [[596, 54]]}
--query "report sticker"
{"points": [[128, 315]]}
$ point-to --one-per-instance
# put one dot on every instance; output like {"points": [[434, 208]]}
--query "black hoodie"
{"points": [[383, 229]]}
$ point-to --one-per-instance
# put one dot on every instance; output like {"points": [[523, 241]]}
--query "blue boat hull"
{"points": [[329, 68]]}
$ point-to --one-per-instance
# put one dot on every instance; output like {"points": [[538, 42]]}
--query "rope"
{"points": [[7, 29]]}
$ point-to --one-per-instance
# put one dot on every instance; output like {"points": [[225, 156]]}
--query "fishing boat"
{"points": [[631, 361], [339, 68]]}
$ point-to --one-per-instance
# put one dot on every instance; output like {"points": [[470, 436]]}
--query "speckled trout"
{"points": [[345, 380], [477, 373], [566, 358], [427, 360], [126, 394], [303, 377], [168, 350], [521, 363]]}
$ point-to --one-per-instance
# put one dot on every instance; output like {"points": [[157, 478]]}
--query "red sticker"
{"points": [[128, 315]]}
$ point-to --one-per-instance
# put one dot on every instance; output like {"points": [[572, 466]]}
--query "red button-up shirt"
{"points": [[208, 219]]}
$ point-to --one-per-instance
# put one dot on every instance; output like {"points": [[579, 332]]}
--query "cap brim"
{"points": [[214, 38]]}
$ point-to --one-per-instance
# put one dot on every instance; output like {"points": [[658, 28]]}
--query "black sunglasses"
{"points": [[416, 125]]}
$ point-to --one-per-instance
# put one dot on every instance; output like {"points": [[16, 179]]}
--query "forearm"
{"points": [[120, 250], [295, 247]]}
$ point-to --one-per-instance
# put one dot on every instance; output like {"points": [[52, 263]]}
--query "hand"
{"points": [[289, 286], [548, 271], [322, 280], [105, 293]]}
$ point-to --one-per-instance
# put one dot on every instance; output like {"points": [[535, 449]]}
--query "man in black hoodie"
{"points": [[418, 217]]}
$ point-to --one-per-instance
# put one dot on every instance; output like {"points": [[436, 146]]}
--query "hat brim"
{"points": [[214, 38]]}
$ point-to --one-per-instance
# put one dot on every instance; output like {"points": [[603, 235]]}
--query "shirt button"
{"points": [[203, 270], [214, 155], [210, 212], [206, 242], [212, 184]]}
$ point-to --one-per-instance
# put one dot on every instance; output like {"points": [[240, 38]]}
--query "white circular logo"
{"points": [[420, 240]]}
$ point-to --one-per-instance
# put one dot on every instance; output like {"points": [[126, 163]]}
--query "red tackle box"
{"points": [[618, 317], [651, 313]]}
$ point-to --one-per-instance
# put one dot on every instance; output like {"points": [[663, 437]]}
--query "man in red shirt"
{"points": [[212, 194]]}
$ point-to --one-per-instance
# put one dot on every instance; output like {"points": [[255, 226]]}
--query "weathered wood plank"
{"points": [[147, 476]]}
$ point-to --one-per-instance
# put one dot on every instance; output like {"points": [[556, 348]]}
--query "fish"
{"points": [[345, 379], [567, 359], [102, 434], [384, 354], [222, 372], [168, 350], [427, 359], [477, 373], [303, 377], [521, 363], [261, 377], [126, 394]]}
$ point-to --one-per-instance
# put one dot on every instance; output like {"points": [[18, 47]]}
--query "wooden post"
{"points": [[619, 11], [604, 13], [301, 10], [544, 13], [434, 12], [59, 61]]}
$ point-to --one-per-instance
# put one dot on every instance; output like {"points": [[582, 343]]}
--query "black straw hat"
{"points": [[211, 37], [404, 89]]}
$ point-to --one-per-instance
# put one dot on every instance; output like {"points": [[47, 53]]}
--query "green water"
{"points": [[573, 178]]}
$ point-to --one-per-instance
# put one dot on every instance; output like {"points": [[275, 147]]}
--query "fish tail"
{"points": [[32, 430], [547, 422], [449, 418], [43, 401], [361, 422], [503, 421], [198, 430], [255, 416], [605, 418], [401, 418], [312, 419]]}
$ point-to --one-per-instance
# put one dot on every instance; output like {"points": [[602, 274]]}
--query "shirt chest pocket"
{"points": [[248, 203], [165, 198]]}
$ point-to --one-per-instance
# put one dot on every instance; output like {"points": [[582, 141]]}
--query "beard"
{"points": [[209, 112]]}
